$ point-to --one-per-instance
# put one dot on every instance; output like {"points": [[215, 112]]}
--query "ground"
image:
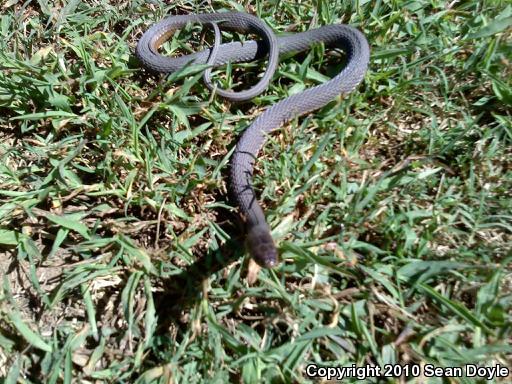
{"points": [[122, 255]]}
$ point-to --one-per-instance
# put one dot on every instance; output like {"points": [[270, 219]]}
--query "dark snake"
{"points": [[349, 39]]}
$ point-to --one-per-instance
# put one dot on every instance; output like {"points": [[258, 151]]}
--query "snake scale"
{"points": [[349, 39]]}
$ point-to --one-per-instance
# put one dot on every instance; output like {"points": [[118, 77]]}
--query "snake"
{"points": [[259, 239]]}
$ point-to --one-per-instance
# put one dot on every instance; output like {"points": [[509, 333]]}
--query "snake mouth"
{"points": [[261, 246]]}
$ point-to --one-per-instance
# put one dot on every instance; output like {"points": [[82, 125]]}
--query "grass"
{"points": [[122, 258]]}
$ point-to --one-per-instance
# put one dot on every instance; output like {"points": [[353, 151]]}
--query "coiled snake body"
{"points": [[349, 39]]}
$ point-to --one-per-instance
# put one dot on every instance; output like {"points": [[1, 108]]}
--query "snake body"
{"points": [[353, 43]]}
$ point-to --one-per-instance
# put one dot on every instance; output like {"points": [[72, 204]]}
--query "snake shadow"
{"points": [[183, 291]]}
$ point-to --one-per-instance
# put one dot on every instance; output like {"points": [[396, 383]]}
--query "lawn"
{"points": [[122, 255]]}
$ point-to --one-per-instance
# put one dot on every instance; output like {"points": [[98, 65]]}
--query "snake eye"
{"points": [[261, 246]]}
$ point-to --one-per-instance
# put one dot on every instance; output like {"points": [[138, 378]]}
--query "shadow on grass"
{"points": [[181, 292]]}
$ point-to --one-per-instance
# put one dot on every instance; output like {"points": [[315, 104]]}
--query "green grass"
{"points": [[122, 258]]}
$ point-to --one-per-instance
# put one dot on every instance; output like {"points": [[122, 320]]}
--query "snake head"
{"points": [[261, 246]]}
